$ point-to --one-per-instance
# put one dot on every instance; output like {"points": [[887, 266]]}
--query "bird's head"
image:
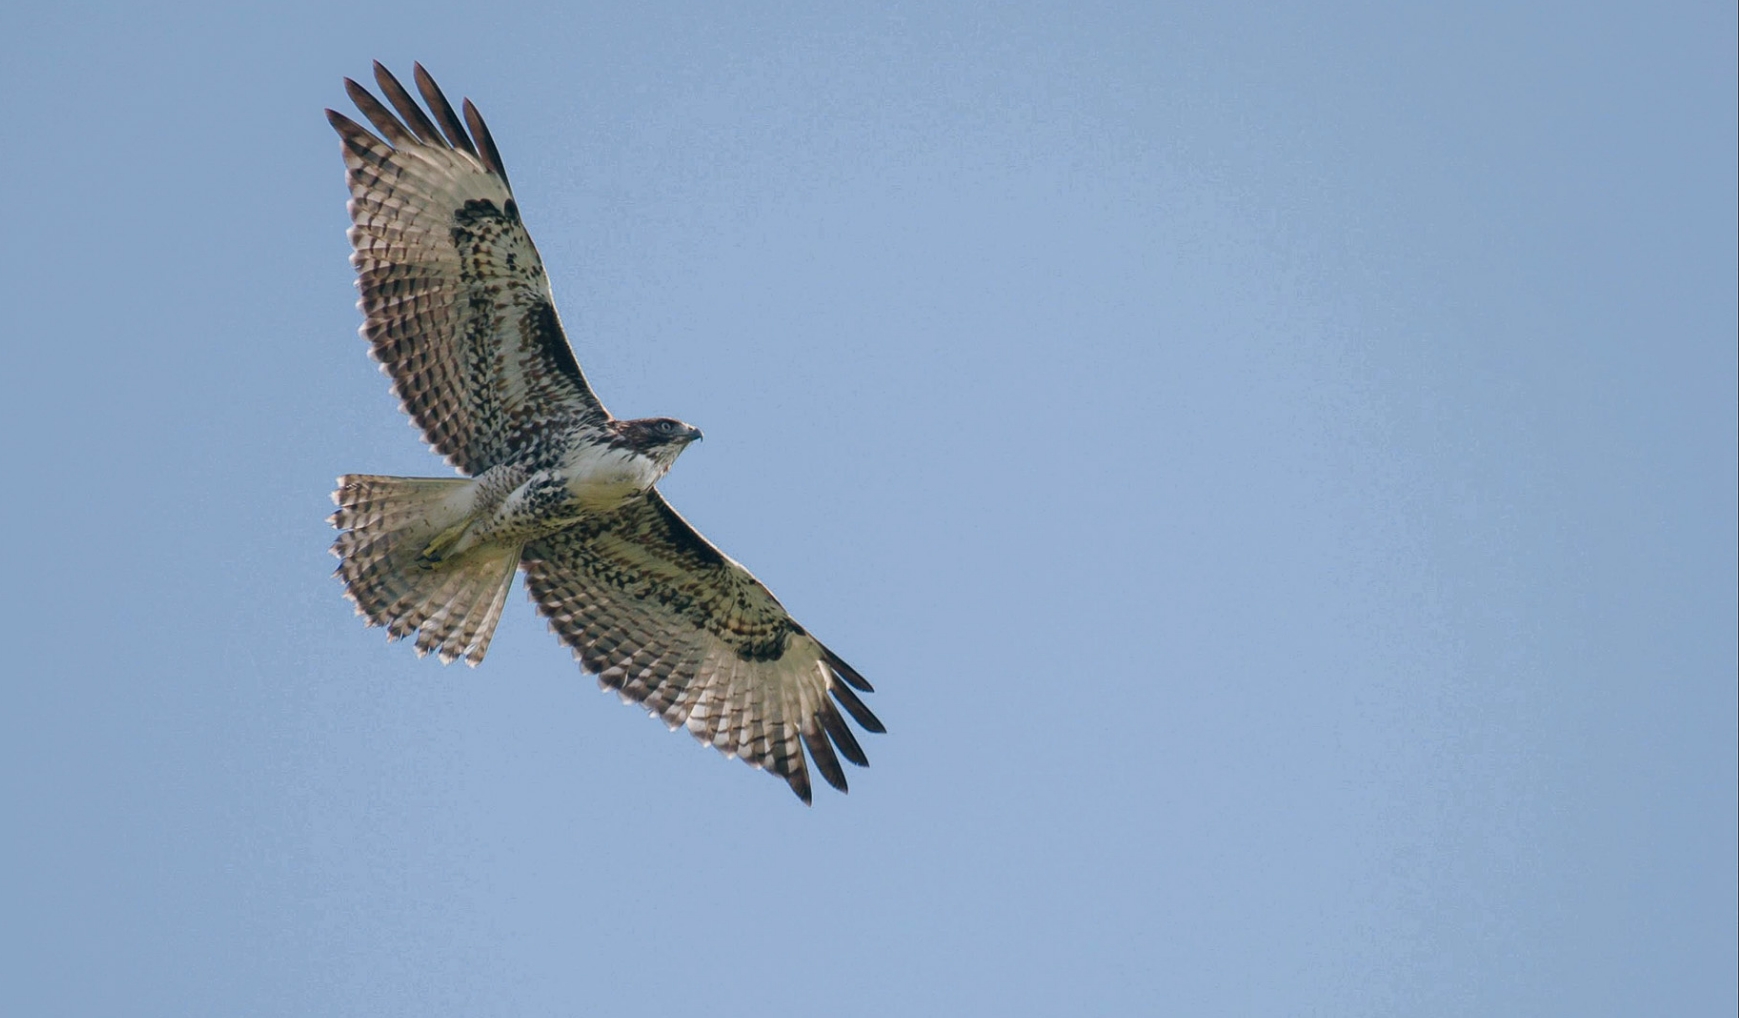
{"points": [[661, 439]]}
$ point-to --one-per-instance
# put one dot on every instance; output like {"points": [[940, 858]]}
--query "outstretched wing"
{"points": [[458, 308], [670, 622]]}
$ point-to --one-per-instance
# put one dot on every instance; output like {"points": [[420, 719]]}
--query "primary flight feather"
{"points": [[459, 314]]}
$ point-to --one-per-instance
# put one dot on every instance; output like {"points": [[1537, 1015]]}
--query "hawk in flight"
{"points": [[460, 316]]}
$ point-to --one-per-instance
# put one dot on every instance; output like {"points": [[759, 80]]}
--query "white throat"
{"points": [[602, 476]]}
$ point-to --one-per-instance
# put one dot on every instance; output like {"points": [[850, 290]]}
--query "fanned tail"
{"points": [[386, 525]]}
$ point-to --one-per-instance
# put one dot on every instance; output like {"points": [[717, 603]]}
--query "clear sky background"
{"points": [[1276, 462]]}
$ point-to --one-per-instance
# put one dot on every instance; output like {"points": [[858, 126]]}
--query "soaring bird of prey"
{"points": [[459, 315]]}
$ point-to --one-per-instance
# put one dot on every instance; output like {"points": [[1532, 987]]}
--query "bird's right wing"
{"points": [[670, 622], [459, 311]]}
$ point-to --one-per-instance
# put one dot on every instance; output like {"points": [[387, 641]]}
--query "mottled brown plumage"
{"points": [[459, 314]]}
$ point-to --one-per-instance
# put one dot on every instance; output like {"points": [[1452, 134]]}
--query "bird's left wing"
{"points": [[670, 622], [459, 308]]}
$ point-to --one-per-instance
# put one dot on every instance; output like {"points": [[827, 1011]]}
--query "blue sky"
{"points": [[1276, 462]]}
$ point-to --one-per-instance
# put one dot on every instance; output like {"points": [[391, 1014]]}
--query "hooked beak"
{"points": [[694, 434]]}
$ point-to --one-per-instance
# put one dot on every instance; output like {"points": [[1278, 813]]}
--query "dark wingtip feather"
{"points": [[490, 154], [853, 706], [847, 672], [413, 115], [798, 779], [821, 751], [378, 115], [356, 138], [443, 111], [840, 732]]}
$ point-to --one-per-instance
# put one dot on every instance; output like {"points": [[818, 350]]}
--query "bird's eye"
{"points": [[665, 425]]}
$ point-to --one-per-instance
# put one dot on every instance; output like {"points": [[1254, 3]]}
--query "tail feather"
{"points": [[469, 622], [385, 524]]}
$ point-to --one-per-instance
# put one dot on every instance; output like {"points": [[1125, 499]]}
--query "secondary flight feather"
{"points": [[459, 314]]}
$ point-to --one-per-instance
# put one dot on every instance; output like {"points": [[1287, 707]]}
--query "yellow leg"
{"points": [[443, 542]]}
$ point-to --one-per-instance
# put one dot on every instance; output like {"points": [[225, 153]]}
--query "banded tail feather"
{"points": [[386, 525]]}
